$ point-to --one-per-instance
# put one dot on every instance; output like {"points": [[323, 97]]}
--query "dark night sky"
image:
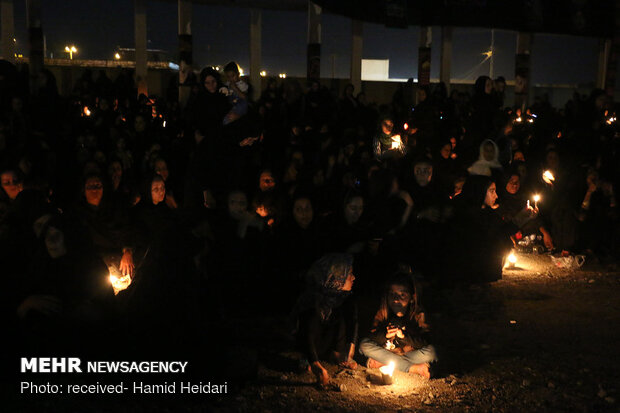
{"points": [[221, 34]]}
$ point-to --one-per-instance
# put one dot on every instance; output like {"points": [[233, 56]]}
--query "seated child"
{"points": [[236, 91], [327, 315], [398, 330]]}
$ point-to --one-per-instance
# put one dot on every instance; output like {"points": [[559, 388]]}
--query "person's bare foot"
{"points": [[321, 374], [374, 364], [421, 370]]}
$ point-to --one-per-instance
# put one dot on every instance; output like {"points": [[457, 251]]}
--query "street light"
{"points": [[117, 56], [71, 50]]}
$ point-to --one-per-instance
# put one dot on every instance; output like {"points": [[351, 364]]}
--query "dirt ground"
{"points": [[541, 339]]}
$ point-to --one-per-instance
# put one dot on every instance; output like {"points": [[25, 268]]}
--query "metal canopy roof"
{"points": [[578, 17], [290, 5]]}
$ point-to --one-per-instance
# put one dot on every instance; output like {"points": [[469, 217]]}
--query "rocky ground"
{"points": [[541, 339]]}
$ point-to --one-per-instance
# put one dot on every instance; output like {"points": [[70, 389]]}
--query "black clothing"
{"points": [[318, 337]]}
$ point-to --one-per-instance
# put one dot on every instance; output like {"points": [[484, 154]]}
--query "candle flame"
{"points": [[536, 198], [387, 370], [396, 142], [389, 345], [120, 283], [548, 177], [512, 258], [86, 111]]}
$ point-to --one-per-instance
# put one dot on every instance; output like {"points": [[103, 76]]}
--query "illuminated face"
{"points": [[399, 299], [237, 205], [513, 185], [518, 156], [302, 212], [210, 84], [488, 151], [232, 77], [488, 87], [348, 283], [93, 190], [353, 210], [491, 197], [423, 173], [161, 169], [266, 181], [55, 242], [445, 151], [158, 191], [11, 185], [387, 126]]}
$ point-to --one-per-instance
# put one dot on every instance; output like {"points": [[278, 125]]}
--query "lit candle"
{"points": [[512, 260], [548, 177], [536, 199], [387, 373], [396, 142], [119, 283]]}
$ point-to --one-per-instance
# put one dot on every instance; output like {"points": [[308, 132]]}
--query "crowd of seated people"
{"points": [[221, 207]]}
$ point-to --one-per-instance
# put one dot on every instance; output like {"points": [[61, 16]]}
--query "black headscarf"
{"points": [[326, 277]]}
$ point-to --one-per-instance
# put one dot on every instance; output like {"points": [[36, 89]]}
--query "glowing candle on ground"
{"points": [[387, 373], [512, 260]]}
